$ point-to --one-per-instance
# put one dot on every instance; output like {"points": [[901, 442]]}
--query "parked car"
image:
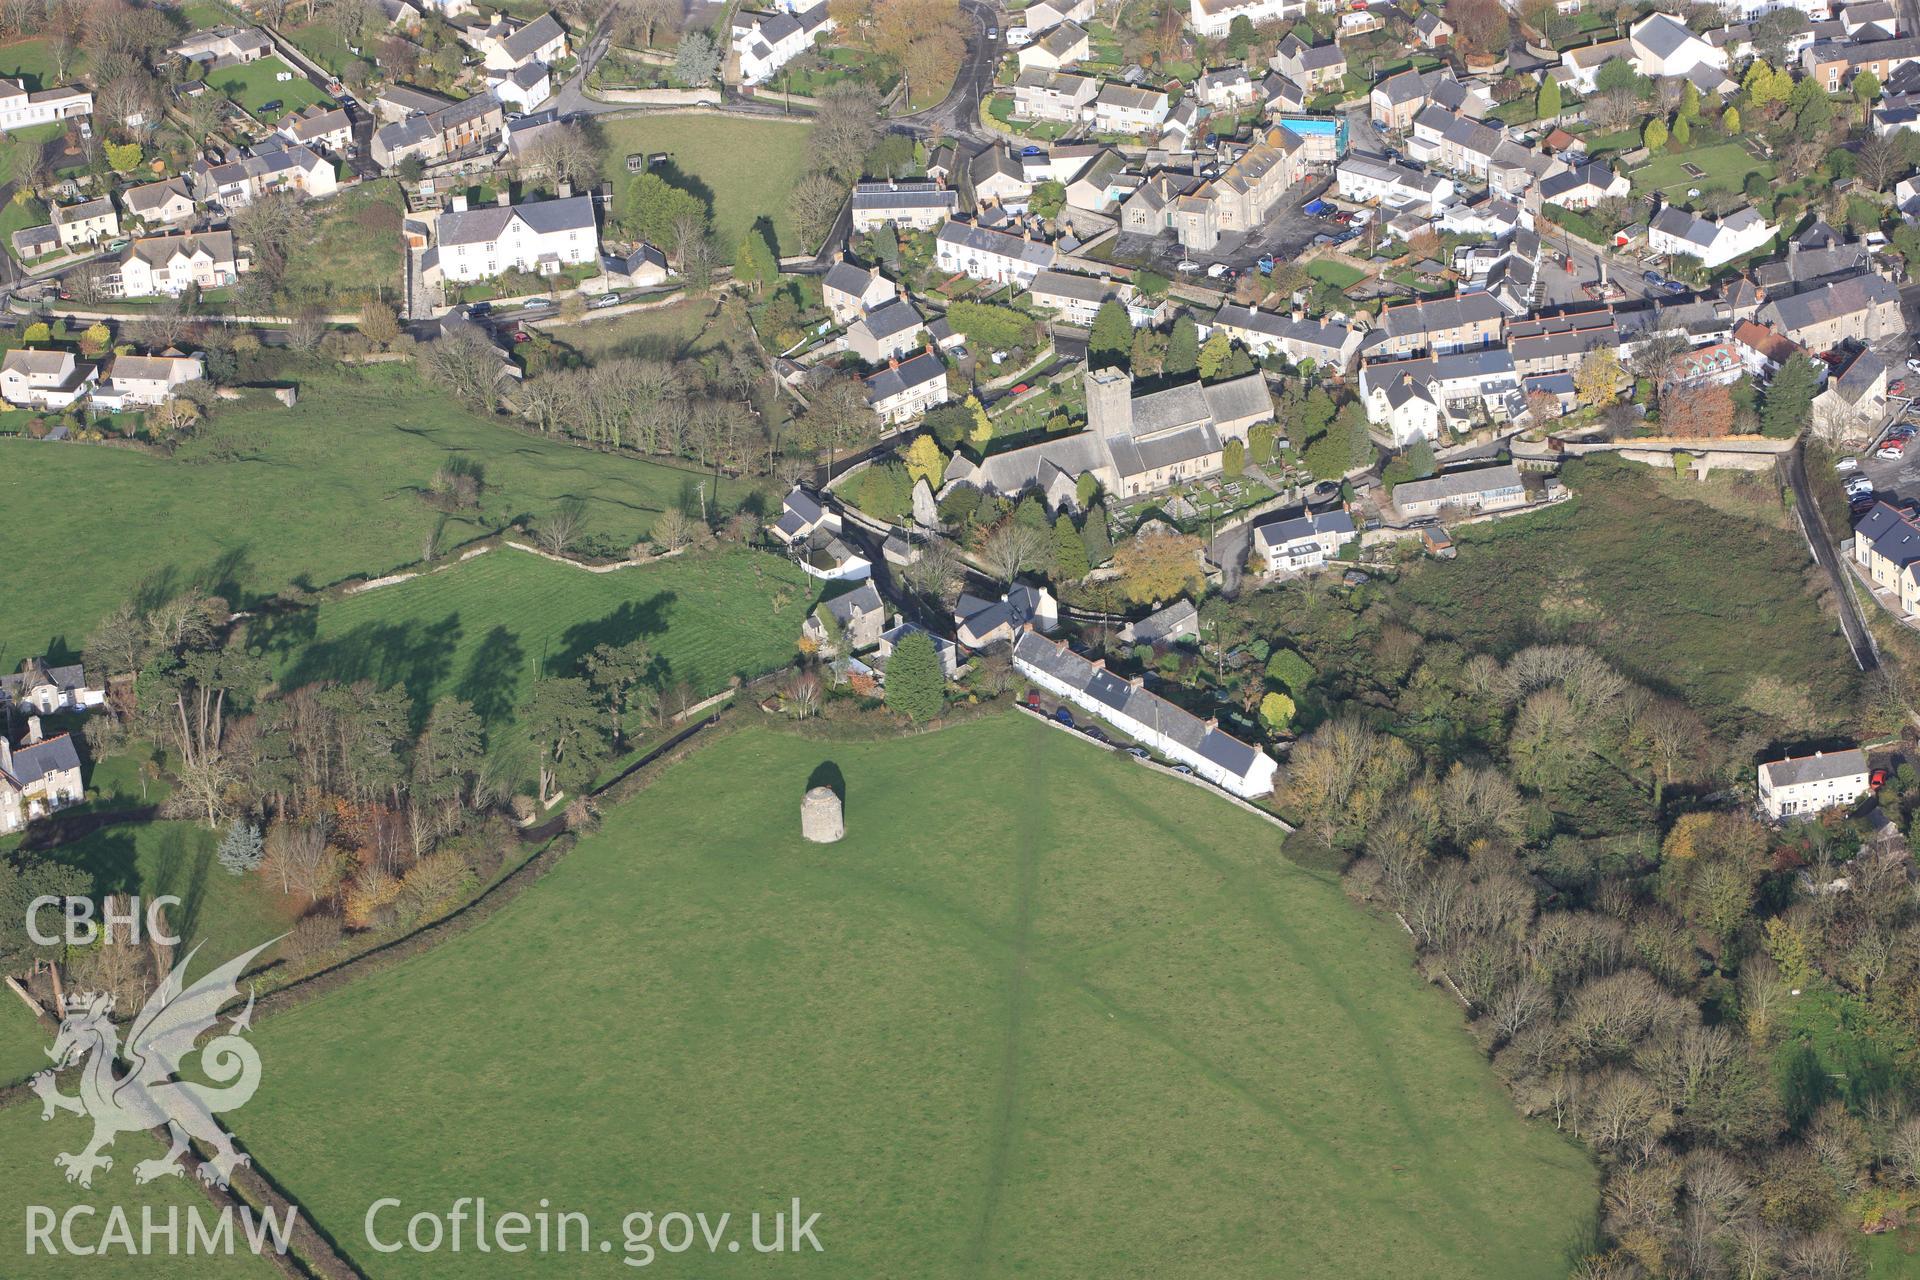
{"points": [[1033, 699], [1093, 731], [1355, 578], [1674, 286], [1064, 716], [993, 33], [1188, 265], [1877, 779], [1897, 387], [1914, 364], [604, 300], [1892, 449], [1844, 465], [1183, 770], [1217, 270], [1019, 389], [477, 309], [1138, 753], [1266, 264], [1857, 484], [267, 107], [531, 303]]}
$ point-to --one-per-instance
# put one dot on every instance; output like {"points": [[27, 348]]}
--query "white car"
{"points": [[1187, 266], [1845, 465], [1217, 270], [1858, 485], [604, 300], [1914, 364]]}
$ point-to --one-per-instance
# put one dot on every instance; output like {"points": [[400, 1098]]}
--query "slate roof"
{"points": [[1836, 301], [528, 40], [984, 240], [1458, 484], [1311, 524], [892, 318], [1818, 767], [545, 217], [916, 372], [1440, 313], [30, 764], [1061, 284]]}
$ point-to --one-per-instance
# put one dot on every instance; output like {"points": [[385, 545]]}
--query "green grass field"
{"points": [[484, 629], [270, 496], [324, 44], [23, 1041], [1678, 594], [747, 167], [1041, 1013], [253, 85], [32, 62], [665, 333], [31, 1178], [1341, 275], [1725, 166], [354, 250]]}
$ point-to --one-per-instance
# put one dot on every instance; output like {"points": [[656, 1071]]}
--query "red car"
{"points": [[1020, 389], [521, 335], [1898, 386], [1877, 779]]}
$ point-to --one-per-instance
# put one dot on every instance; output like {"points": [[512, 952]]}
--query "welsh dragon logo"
{"points": [[150, 1094]]}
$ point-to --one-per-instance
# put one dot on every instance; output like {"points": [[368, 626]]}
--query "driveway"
{"points": [[1285, 234]]}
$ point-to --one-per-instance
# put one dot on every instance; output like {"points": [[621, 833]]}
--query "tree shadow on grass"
{"points": [[492, 676], [416, 656], [632, 621]]}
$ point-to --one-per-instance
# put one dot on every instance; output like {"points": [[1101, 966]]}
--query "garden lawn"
{"points": [[1675, 593], [23, 1041], [32, 63], [1726, 165], [1040, 1013], [324, 44], [252, 85], [31, 1178], [17, 151], [484, 630], [746, 168], [1340, 275], [354, 249], [671, 332], [268, 497]]}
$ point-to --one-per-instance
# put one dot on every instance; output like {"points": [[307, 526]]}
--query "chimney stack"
{"points": [[6, 754], [33, 730], [459, 202], [1098, 664], [563, 189], [504, 199]]}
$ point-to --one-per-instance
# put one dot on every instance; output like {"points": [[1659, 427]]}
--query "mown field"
{"points": [[1040, 1013], [746, 169], [485, 629], [253, 85], [29, 1177], [1679, 594], [271, 497], [23, 1041]]}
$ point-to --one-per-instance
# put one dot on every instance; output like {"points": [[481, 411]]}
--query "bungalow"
{"points": [[1151, 720], [169, 263], [20, 109], [37, 777], [44, 379], [1809, 785], [218, 48], [543, 237], [1485, 489], [1584, 186], [906, 389], [1122, 108], [37, 687], [849, 292], [996, 256], [135, 382], [1715, 243], [1057, 50], [35, 242], [919, 206], [86, 223], [1305, 541], [1052, 95], [158, 204], [978, 623], [1316, 68]]}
